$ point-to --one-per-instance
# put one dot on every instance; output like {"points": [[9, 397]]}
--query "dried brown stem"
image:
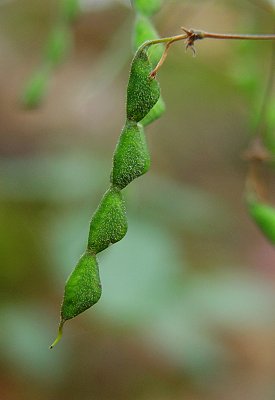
{"points": [[191, 35]]}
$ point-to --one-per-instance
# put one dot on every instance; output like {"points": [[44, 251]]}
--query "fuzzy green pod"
{"points": [[70, 9], [143, 31], [264, 217], [131, 157], [58, 45], [109, 222], [147, 7], [143, 91], [83, 287], [82, 290], [36, 88], [155, 113]]}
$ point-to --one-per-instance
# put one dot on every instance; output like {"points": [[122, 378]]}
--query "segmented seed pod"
{"points": [[143, 91], [82, 290], [264, 217], [109, 222], [131, 157], [131, 160], [147, 7]]}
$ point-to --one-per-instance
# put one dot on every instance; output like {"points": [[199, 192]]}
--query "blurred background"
{"points": [[187, 310]]}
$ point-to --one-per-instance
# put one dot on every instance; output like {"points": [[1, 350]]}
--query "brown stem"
{"points": [[237, 36], [191, 35], [161, 61]]}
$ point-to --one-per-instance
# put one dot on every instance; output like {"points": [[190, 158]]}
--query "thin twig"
{"points": [[191, 36], [161, 61]]}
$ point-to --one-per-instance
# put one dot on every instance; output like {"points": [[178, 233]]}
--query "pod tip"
{"points": [[59, 335]]}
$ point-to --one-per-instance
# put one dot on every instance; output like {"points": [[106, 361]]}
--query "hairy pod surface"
{"points": [[131, 157], [109, 223], [155, 113], [264, 217], [143, 91], [83, 287], [148, 7], [143, 31]]}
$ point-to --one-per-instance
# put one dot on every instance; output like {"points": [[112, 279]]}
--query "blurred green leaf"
{"points": [[70, 9], [36, 88], [58, 45]]}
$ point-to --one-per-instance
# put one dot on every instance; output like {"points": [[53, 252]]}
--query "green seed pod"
{"points": [[82, 290], [131, 157], [264, 217], [155, 113], [143, 91], [109, 223], [35, 88], [143, 31], [58, 45], [147, 7], [70, 9]]}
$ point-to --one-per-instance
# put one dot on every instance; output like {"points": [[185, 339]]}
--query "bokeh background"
{"points": [[187, 310]]}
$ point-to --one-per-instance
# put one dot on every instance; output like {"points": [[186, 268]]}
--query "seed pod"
{"points": [[109, 223], [82, 290], [131, 157], [155, 113], [264, 217], [35, 88], [70, 9], [147, 7], [143, 31], [58, 45], [143, 91]]}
